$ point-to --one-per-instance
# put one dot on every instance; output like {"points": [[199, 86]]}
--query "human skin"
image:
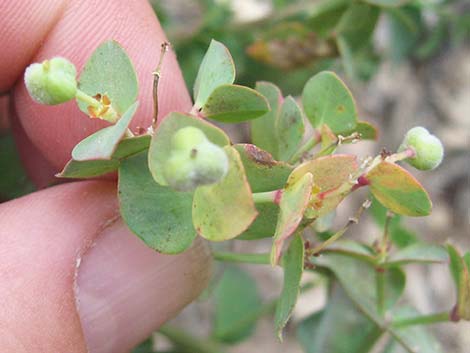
{"points": [[73, 278]]}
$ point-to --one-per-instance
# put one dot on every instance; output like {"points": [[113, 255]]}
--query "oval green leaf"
{"points": [[109, 71], [103, 143], [262, 171], [398, 190], [226, 209], [327, 100], [236, 300], [293, 204], [160, 146], [216, 69], [290, 129], [91, 169], [263, 131], [234, 104], [158, 215], [329, 173], [293, 265]]}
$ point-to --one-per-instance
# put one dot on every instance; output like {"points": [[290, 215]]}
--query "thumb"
{"points": [[71, 280]]}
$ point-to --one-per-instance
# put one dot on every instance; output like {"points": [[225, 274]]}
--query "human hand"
{"points": [[65, 247]]}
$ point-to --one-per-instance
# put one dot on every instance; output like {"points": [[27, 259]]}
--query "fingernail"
{"points": [[125, 290]]}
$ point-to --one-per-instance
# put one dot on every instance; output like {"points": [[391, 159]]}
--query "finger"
{"points": [[82, 27], [67, 245]]}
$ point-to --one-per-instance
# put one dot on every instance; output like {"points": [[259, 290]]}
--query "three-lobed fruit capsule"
{"points": [[194, 160]]}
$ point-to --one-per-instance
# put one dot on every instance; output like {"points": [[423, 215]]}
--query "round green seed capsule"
{"points": [[427, 148], [51, 82], [194, 161]]}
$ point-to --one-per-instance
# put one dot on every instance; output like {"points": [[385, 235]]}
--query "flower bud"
{"points": [[194, 161], [427, 148], [51, 82]]}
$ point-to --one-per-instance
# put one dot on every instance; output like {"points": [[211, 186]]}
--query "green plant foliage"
{"points": [[329, 173], [387, 3], [236, 298], [398, 190], [109, 72], [158, 215], [367, 130], [264, 225], [292, 206], [234, 104], [290, 128], [217, 68], [330, 330], [160, 147], [13, 179], [399, 235], [326, 16], [357, 25], [413, 338], [418, 253], [263, 131], [262, 171], [327, 100], [293, 264], [353, 249], [93, 168], [103, 143], [226, 209], [460, 269], [357, 278]]}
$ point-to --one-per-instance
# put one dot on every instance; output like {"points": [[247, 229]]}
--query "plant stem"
{"points": [[312, 142], [352, 220], [156, 78], [263, 259], [267, 197], [82, 96], [380, 287], [399, 156], [188, 343], [422, 320]]}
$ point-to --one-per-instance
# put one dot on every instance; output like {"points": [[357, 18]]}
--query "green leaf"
{"points": [[358, 280], [226, 209], [293, 264], [158, 215], [103, 143], [399, 235], [91, 169], [236, 298], [160, 146], [262, 171], [326, 15], [418, 253], [264, 225], [109, 71], [387, 3], [263, 131], [329, 331], [405, 28], [353, 249], [13, 179], [329, 173], [217, 68], [293, 204], [327, 100], [398, 190], [367, 130], [357, 25], [88, 169], [461, 275], [234, 104], [416, 337], [290, 129]]}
